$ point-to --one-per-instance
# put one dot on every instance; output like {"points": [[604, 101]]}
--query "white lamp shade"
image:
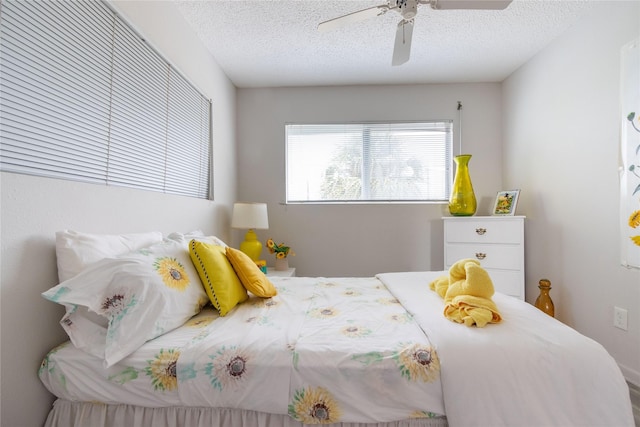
{"points": [[250, 216]]}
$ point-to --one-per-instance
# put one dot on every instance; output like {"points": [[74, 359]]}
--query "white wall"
{"points": [[561, 135], [361, 240], [33, 209]]}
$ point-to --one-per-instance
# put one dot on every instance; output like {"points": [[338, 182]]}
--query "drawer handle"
{"points": [[481, 255], [481, 231]]}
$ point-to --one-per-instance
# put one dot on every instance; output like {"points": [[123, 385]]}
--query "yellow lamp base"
{"points": [[251, 245]]}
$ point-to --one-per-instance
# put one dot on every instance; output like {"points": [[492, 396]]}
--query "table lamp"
{"points": [[254, 217]]}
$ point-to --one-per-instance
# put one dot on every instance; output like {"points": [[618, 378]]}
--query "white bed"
{"points": [[350, 351]]}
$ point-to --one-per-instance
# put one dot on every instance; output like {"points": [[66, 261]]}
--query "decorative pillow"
{"points": [[75, 251], [117, 304], [217, 275], [250, 275]]}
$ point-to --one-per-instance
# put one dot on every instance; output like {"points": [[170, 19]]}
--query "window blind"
{"points": [[369, 162], [84, 97]]}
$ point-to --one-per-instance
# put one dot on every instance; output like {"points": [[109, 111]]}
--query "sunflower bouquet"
{"points": [[281, 250]]}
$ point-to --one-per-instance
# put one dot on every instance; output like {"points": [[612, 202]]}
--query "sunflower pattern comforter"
{"points": [[321, 351]]}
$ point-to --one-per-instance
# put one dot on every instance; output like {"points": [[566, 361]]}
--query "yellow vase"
{"points": [[462, 201]]}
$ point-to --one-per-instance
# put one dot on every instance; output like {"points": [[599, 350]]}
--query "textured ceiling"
{"points": [[269, 43]]}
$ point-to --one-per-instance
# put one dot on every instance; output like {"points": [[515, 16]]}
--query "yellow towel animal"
{"points": [[467, 292], [440, 285]]}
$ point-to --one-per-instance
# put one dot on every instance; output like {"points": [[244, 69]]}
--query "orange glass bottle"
{"points": [[544, 302]]}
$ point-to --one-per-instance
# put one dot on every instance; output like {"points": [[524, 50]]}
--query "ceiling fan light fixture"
{"points": [[407, 8]]}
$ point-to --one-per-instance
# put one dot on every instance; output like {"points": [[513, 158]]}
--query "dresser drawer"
{"points": [[506, 257], [484, 231]]}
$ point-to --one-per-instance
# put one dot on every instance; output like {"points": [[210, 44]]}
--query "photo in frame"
{"points": [[506, 202]]}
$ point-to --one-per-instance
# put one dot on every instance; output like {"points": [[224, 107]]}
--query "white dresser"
{"points": [[496, 241]]}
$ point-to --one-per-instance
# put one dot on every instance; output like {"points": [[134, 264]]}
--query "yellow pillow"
{"points": [[220, 281], [250, 275]]}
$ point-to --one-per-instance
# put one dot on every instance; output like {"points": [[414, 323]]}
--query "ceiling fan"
{"points": [[408, 9]]}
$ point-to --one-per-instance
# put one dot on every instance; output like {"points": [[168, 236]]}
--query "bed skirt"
{"points": [[66, 413]]}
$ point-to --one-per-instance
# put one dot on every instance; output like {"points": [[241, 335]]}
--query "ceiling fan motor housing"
{"points": [[407, 8]]}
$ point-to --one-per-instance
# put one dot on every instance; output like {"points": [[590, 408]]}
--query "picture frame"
{"points": [[506, 202]]}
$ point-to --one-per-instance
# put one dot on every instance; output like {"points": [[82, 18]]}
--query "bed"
{"points": [[368, 351]]}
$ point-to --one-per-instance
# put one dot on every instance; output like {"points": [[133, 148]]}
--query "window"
{"points": [[85, 98], [368, 162]]}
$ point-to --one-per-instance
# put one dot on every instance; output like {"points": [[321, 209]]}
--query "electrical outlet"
{"points": [[620, 318]]}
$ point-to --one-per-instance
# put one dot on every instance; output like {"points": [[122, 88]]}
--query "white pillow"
{"points": [[198, 236], [75, 251], [117, 304]]}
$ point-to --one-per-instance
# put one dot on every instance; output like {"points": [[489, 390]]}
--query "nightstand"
{"points": [[271, 272], [496, 241]]}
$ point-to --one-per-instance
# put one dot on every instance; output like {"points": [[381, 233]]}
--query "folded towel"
{"points": [[467, 292], [457, 272], [440, 285], [472, 311]]}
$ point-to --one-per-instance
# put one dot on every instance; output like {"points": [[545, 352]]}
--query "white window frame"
{"points": [[292, 173]]}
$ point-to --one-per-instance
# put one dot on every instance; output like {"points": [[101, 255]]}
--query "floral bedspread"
{"points": [[321, 351]]}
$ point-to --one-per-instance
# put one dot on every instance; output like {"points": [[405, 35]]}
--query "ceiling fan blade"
{"points": [[358, 16], [470, 4], [402, 47]]}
